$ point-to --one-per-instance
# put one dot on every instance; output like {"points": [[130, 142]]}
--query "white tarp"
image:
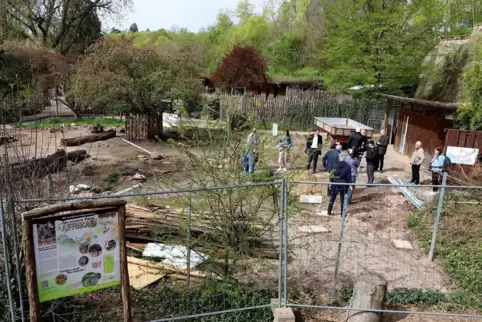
{"points": [[174, 255], [466, 156]]}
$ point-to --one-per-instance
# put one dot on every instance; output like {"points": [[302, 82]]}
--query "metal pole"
{"points": [[437, 217], [340, 243], [280, 263], [188, 277], [285, 244], [17, 257], [5, 259]]}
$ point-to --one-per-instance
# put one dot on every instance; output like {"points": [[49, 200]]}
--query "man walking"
{"points": [[382, 149], [341, 174], [372, 161], [354, 163], [314, 143], [416, 161]]}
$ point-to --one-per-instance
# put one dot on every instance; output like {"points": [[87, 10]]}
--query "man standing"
{"points": [[330, 159], [382, 149], [372, 161], [314, 143], [358, 142], [251, 153], [341, 174], [416, 161]]}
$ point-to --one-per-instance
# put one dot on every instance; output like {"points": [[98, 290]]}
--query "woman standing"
{"points": [[284, 146], [437, 167]]}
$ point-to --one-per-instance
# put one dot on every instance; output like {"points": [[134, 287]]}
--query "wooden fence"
{"points": [[144, 127], [298, 111]]}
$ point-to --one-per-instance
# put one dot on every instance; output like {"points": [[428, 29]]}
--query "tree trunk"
{"points": [[369, 293], [88, 139]]}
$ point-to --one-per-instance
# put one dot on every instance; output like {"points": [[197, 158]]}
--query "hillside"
{"points": [[442, 76]]}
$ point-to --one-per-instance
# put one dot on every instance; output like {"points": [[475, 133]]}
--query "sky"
{"points": [[190, 14]]}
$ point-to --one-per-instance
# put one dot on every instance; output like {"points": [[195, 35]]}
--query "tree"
{"points": [[61, 23], [242, 67], [115, 31], [134, 28], [378, 41], [137, 80]]}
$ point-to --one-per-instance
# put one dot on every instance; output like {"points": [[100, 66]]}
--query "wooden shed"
{"points": [[408, 120]]}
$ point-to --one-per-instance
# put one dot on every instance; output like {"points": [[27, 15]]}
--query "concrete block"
{"points": [[274, 303], [323, 213], [311, 199], [313, 229], [402, 244], [284, 314]]}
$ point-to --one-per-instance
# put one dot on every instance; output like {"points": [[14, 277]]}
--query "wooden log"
{"points": [[77, 156], [88, 138], [31, 272], [40, 167], [369, 293]]}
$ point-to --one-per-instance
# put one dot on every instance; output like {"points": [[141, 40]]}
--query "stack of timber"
{"points": [[88, 138], [40, 167], [145, 225]]}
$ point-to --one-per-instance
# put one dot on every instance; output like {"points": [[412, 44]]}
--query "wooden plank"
{"points": [[141, 276], [31, 272], [125, 286], [461, 139], [72, 205]]}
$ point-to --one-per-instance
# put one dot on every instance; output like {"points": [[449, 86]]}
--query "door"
{"points": [[404, 135]]}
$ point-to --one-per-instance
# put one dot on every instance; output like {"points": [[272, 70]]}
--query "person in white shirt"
{"points": [[314, 142]]}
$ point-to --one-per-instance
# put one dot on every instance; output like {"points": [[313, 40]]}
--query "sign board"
{"points": [[275, 129], [459, 155], [77, 255]]}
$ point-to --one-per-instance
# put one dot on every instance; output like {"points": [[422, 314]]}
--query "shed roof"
{"points": [[425, 103]]}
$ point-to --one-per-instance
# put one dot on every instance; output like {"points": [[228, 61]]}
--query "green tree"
{"points": [[137, 80], [375, 42], [134, 28]]}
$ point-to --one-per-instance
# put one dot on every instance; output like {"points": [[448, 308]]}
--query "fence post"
{"points": [[340, 244], [5, 259], [188, 269], [431, 254], [284, 206], [281, 248], [17, 256]]}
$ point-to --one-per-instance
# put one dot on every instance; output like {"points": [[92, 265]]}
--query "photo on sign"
{"points": [[46, 234]]}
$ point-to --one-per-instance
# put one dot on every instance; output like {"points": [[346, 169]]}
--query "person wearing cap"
{"points": [[340, 174], [354, 163], [372, 160]]}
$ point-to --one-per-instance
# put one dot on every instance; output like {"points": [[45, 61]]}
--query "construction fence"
{"points": [[233, 253]]}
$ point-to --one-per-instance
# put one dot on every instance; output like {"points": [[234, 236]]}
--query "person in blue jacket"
{"points": [[341, 174], [330, 160]]}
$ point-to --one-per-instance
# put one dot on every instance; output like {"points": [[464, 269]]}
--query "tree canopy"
{"points": [[137, 80], [242, 67]]}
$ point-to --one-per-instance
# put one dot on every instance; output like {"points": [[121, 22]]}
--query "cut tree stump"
{"points": [[88, 139], [368, 293]]}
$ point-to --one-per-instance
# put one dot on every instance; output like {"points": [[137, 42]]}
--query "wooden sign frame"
{"points": [[63, 210]]}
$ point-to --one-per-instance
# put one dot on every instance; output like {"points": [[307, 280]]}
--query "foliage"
{"points": [[415, 296], [469, 116], [458, 242], [133, 28], [135, 80], [243, 67], [69, 26], [83, 121], [378, 42]]}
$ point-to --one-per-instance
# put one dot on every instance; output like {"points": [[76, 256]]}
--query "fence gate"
{"points": [[144, 126]]}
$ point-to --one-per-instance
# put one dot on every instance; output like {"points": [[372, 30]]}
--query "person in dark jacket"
{"points": [[313, 147], [382, 149], [372, 160], [358, 142], [330, 161], [341, 174]]}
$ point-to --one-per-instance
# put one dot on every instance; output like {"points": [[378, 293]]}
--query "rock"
{"points": [[142, 157], [139, 176], [156, 156], [78, 188]]}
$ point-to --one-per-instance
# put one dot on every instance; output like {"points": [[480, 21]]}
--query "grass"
{"points": [[459, 243], [84, 121]]}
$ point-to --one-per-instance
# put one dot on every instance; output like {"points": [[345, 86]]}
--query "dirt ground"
{"points": [[376, 217]]}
